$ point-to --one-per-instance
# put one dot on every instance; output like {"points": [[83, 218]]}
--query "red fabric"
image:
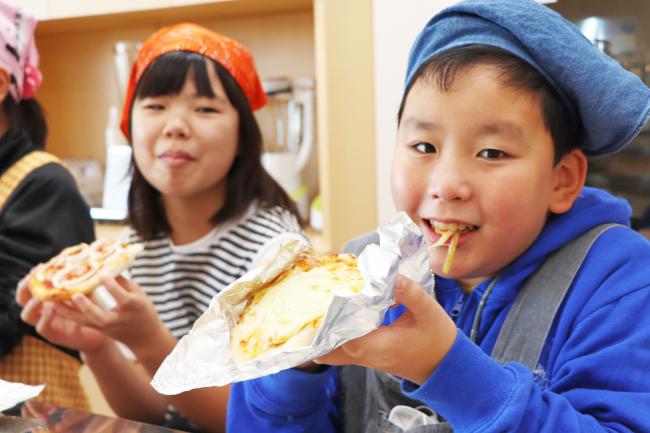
{"points": [[232, 55]]}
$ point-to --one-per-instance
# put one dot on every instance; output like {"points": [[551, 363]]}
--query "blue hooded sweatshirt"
{"points": [[595, 374]]}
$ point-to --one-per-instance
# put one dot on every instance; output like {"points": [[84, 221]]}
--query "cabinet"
{"points": [[330, 40]]}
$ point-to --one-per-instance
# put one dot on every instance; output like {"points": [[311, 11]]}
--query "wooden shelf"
{"points": [[103, 18]]}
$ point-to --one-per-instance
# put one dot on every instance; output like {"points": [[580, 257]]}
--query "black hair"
{"points": [[443, 68], [26, 116], [247, 178]]}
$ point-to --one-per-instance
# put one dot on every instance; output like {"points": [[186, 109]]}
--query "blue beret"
{"points": [[611, 104]]}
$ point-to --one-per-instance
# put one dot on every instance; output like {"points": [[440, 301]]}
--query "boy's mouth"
{"points": [[441, 228], [450, 234]]}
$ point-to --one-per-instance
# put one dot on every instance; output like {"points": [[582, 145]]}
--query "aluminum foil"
{"points": [[202, 358]]}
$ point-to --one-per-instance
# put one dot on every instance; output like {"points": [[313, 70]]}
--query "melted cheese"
{"points": [[290, 310]]}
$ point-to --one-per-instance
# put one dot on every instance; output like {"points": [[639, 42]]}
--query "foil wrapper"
{"points": [[202, 358]]}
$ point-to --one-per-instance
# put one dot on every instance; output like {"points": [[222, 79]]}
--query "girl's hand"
{"points": [[134, 321], [411, 347], [23, 294], [56, 329], [61, 330]]}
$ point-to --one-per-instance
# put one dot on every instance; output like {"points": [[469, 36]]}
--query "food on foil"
{"points": [[288, 311], [79, 268], [271, 330]]}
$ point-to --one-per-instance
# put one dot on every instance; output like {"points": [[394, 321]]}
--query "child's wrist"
{"points": [[446, 337], [152, 351], [103, 351]]}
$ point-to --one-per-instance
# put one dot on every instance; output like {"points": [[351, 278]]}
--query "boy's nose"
{"points": [[449, 182]]}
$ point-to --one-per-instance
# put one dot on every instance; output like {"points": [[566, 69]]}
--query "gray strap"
{"points": [[356, 245], [529, 321]]}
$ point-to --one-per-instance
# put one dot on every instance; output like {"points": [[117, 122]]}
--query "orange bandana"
{"points": [[232, 55]]}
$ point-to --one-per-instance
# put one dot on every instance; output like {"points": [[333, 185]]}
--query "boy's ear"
{"points": [[570, 176], [4, 84]]}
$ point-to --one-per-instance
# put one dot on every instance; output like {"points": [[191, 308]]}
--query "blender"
{"points": [[287, 124]]}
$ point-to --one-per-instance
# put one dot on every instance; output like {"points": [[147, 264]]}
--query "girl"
{"points": [[38, 200], [202, 205]]}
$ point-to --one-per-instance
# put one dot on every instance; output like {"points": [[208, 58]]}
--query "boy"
{"points": [[503, 100]]}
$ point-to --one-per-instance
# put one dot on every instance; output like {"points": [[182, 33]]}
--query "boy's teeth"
{"points": [[453, 227]]}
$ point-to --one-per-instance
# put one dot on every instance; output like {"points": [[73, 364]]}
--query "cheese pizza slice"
{"points": [[78, 269], [288, 311]]}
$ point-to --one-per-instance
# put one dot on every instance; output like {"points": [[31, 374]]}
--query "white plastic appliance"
{"points": [[117, 178], [287, 124]]}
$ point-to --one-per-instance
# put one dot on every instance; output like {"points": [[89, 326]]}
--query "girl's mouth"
{"points": [[176, 158]]}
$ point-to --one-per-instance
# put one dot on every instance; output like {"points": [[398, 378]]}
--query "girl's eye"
{"points": [[492, 154], [154, 106], [206, 110], [424, 148]]}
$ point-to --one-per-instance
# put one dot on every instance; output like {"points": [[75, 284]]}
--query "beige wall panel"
{"points": [[344, 58]]}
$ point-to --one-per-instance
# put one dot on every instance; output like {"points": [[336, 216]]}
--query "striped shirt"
{"points": [[181, 280]]}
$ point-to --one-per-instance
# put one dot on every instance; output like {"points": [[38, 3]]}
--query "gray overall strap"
{"points": [[523, 334], [356, 245]]}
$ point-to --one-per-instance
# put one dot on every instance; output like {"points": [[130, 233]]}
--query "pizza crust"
{"points": [[79, 269]]}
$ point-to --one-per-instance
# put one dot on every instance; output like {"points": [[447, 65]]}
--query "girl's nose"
{"points": [[449, 181], [176, 127]]}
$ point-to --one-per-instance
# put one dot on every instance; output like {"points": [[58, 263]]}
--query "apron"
{"points": [[34, 361], [368, 396]]}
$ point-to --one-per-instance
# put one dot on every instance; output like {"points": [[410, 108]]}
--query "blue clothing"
{"points": [[593, 374]]}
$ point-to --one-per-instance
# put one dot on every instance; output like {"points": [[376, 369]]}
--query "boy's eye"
{"points": [[424, 148], [492, 154]]}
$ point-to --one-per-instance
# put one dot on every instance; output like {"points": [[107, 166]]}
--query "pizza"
{"points": [[287, 312], [79, 268]]}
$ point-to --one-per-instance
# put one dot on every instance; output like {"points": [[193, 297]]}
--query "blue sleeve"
{"points": [[600, 380], [291, 401]]}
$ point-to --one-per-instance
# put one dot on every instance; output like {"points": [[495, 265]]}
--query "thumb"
{"points": [[414, 297]]}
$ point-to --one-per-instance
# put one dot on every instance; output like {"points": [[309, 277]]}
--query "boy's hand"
{"points": [[411, 347]]}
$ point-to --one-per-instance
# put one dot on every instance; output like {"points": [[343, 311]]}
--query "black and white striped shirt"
{"points": [[181, 280]]}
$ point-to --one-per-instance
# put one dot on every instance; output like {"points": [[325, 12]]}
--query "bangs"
{"points": [[168, 73]]}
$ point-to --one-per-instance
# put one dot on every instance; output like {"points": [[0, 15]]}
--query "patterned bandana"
{"points": [[610, 104], [232, 55], [19, 56]]}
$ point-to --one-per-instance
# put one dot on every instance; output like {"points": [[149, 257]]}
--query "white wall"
{"points": [[396, 25]]}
